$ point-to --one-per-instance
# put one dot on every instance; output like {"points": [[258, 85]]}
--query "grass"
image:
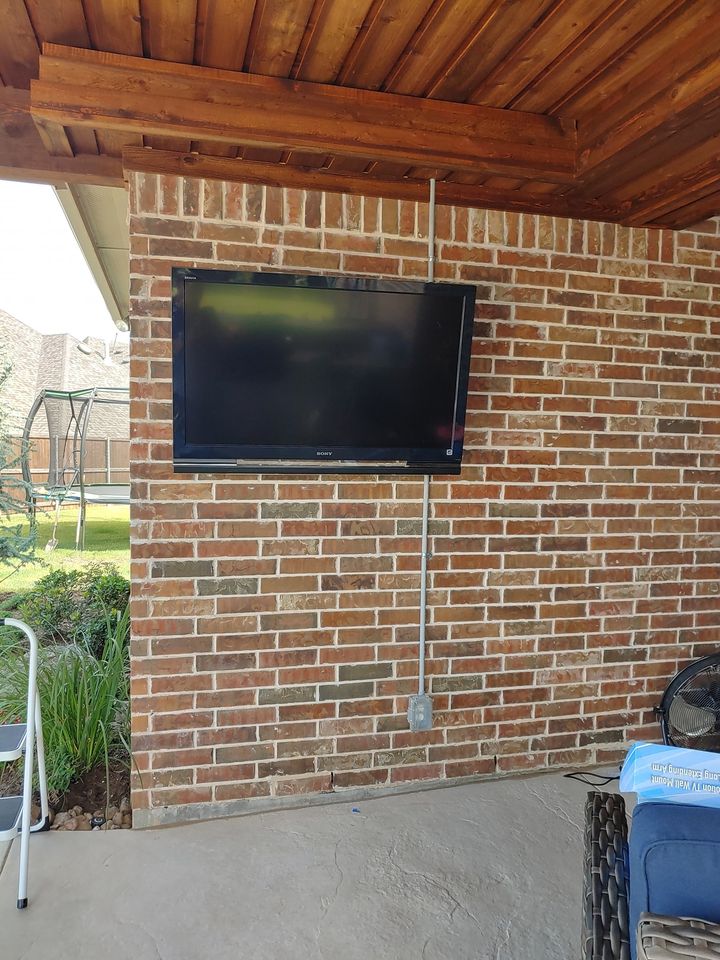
{"points": [[107, 540]]}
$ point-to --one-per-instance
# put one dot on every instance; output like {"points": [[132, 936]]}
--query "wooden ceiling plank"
{"points": [[308, 160], [59, 21], [687, 28], [587, 56], [115, 25], [388, 28], [314, 25], [540, 187], [650, 212], [123, 93], [332, 30], [613, 178], [19, 50], [427, 52], [504, 25], [223, 30], [344, 164], [689, 176], [694, 95], [82, 140], [690, 214], [113, 142], [208, 147], [277, 29], [684, 167], [284, 175], [165, 143], [502, 183], [169, 29], [559, 26]]}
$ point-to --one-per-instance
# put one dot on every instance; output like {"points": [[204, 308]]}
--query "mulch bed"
{"points": [[91, 791]]}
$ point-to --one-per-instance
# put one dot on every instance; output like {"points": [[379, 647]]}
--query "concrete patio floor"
{"points": [[485, 871]]}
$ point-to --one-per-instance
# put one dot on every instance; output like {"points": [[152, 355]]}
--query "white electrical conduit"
{"points": [[424, 554]]}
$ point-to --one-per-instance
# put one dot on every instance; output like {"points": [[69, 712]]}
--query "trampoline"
{"points": [[74, 417]]}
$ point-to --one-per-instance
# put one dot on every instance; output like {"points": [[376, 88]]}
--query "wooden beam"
{"points": [[284, 175], [24, 157], [132, 94]]}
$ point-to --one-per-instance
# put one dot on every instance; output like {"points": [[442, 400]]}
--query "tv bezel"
{"points": [[270, 458]]}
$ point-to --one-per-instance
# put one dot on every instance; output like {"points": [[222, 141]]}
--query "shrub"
{"points": [[84, 700], [73, 606]]}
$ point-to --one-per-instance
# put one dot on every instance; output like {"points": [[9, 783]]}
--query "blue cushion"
{"points": [[674, 862]]}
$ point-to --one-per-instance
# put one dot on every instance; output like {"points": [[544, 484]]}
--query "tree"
{"points": [[17, 532]]}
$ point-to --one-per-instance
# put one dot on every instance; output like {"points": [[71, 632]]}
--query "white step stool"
{"points": [[22, 740]]}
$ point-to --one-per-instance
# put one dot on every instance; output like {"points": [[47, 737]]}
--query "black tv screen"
{"points": [[318, 371]]}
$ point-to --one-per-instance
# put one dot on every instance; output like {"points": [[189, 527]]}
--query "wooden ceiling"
{"points": [[605, 109]]}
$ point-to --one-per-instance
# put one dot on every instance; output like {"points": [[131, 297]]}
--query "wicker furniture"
{"points": [[670, 864], [673, 938], [606, 928]]}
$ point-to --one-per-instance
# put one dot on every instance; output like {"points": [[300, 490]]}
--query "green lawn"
{"points": [[107, 540]]}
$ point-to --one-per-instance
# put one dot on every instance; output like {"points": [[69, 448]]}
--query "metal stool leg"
{"points": [[33, 741]]}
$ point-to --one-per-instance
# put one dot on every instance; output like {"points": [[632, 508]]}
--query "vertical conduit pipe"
{"points": [[424, 555]]}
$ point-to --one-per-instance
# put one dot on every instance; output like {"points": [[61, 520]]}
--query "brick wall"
{"points": [[574, 562]]}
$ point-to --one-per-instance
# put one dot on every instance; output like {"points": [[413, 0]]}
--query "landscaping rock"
{"points": [[119, 817]]}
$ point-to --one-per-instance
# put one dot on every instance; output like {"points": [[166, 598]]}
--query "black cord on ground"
{"points": [[600, 779]]}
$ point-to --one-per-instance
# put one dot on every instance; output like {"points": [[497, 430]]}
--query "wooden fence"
{"points": [[106, 461]]}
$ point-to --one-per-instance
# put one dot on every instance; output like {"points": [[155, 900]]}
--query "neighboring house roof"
{"points": [[52, 361]]}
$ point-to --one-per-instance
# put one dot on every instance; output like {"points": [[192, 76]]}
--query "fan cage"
{"points": [[690, 707]]}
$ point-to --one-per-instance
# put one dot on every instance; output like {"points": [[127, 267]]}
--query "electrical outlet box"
{"points": [[420, 712]]}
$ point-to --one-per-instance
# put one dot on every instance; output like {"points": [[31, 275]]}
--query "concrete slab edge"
{"points": [[168, 816]]}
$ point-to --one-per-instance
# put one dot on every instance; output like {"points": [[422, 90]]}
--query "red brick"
{"points": [[586, 500]]}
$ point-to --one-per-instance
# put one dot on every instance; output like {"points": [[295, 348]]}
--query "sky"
{"points": [[44, 279]]}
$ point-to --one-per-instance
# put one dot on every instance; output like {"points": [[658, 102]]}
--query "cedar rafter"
{"points": [[24, 154]]}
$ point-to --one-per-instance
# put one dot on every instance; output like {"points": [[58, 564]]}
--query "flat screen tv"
{"points": [[284, 373]]}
